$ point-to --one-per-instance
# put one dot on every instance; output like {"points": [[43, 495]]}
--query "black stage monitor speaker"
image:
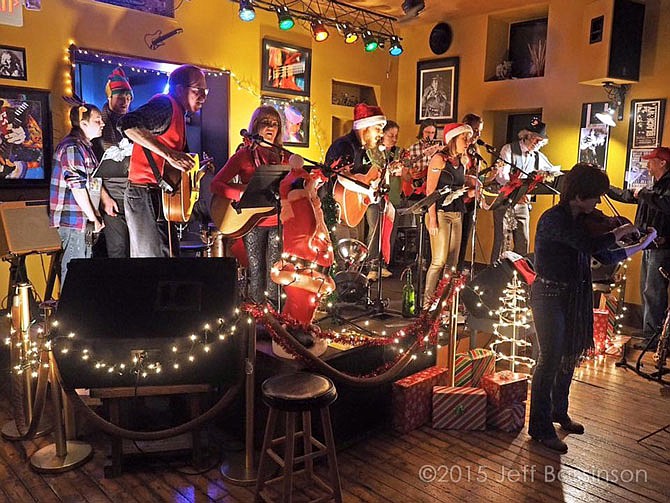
{"points": [[119, 309], [611, 42], [25, 229]]}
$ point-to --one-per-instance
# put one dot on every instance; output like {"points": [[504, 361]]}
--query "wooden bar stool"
{"points": [[289, 395]]}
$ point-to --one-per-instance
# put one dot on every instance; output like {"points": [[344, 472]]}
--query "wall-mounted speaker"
{"points": [[440, 38], [24, 228], [612, 42]]}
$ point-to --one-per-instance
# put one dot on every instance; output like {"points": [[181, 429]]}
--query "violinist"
{"points": [[561, 296], [653, 210], [262, 242]]}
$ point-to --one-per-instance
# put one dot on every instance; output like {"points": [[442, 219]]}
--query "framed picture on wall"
{"points": [[285, 68], [25, 126], [593, 135], [13, 63], [437, 90], [644, 134], [295, 119]]}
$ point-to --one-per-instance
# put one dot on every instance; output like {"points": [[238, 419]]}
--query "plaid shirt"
{"points": [[73, 164], [154, 116]]}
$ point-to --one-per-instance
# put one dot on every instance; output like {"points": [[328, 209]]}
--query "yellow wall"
{"points": [[558, 93], [215, 37]]}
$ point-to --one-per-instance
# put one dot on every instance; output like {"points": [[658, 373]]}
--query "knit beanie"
{"points": [[117, 83]]}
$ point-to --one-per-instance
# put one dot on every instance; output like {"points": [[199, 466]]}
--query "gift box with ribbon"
{"points": [[473, 365], [505, 388], [411, 398], [459, 408], [508, 418], [600, 320]]}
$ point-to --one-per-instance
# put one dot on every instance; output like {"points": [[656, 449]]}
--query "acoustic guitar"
{"points": [[352, 204], [417, 184], [233, 222], [178, 204]]}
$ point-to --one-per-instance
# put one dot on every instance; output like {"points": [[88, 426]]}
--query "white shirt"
{"points": [[527, 164]]}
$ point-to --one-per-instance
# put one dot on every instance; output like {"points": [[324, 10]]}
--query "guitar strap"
{"points": [[162, 183]]}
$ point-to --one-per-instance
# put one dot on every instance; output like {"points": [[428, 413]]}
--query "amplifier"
{"points": [[24, 229]]}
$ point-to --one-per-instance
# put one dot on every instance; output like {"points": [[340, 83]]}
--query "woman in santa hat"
{"points": [[444, 222]]}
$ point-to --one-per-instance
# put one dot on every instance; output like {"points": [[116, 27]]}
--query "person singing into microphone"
{"points": [[262, 242], [444, 222], [472, 160]]}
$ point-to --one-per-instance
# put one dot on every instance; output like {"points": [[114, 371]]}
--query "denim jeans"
{"points": [[553, 372], [148, 236], [654, 290], [74, 246]]}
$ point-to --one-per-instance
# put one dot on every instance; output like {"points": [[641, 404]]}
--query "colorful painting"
{"points": [[295, 119], [286, 68]]}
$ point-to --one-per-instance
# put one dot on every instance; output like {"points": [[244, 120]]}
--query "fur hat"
{"points": [[451, 131], [368, 115], [117, 83]]}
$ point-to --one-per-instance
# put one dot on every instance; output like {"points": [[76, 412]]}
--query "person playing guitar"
{"points": [[262, 240], [355, 186], [158, 131], [416, 163]]}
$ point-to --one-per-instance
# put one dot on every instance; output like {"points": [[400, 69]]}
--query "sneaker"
{"points": [[386, 273], [372, 275]]}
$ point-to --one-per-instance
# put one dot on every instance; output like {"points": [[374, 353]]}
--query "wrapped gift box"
{"points": [[473, 365], [411, 398], [459, 408], [506, 418], [600, 320], [504, 388]]}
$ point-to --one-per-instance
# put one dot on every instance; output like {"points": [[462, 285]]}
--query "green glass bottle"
{"points": [[408, 295]]}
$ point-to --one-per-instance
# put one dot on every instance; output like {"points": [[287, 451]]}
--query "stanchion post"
{"points": [[453, 336]]}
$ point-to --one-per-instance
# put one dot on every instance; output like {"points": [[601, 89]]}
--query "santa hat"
{"points": [[367, 116], [117, 83], [451, 131]]}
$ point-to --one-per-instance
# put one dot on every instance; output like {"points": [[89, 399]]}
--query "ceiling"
{"points": [[443, 10]]}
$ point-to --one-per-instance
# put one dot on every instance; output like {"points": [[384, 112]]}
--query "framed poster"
{"points": [[437, 90], [647, 123], [645, 133], [285, 68], [13, 63], [593, 135], [25, 126], [294, 117]]}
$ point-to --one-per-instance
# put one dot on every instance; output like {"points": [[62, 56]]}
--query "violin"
{"points": [[597, 223]]}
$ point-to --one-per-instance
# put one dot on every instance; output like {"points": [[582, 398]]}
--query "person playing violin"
{"points": [[561, 295], [262, 242], [653, 210]]}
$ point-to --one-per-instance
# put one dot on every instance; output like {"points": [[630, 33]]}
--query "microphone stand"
{"points": [[478, 159]]}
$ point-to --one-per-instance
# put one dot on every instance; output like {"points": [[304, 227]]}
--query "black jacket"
{"points": [[653, 208]]}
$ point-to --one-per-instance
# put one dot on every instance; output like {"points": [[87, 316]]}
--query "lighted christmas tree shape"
{"points": [[513, 314]]}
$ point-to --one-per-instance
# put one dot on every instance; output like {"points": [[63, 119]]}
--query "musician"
{"points": [[653, 210], [158, 130], [414, 176], [262, 242], [70, 205], [351, 153], [444, 222], [514, 222], [561, 296], [113, 168], [472, 172]]}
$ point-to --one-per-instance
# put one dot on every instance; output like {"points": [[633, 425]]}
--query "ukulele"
{"points": [[178, 204], [417, 183]]}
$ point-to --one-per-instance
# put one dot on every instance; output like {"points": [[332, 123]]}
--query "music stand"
{"points": [[263, 191], [420, 208]]}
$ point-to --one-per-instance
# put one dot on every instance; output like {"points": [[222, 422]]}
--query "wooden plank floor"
{"points": [[607, 464]]}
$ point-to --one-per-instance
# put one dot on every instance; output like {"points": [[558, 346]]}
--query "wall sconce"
{"points": [[616, 93]]}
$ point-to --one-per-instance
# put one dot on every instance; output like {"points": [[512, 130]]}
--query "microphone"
{"points": [[489, 148], [159, 41], [250, 136]]}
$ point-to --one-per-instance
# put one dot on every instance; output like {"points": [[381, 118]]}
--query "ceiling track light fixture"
{"points": [[246, 12], [396, 48], [284, 18], [616, 94], [370, 42], [319, 30]]}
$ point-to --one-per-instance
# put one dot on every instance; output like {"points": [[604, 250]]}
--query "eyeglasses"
{"points": [[268, 123], [200, 91]]}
